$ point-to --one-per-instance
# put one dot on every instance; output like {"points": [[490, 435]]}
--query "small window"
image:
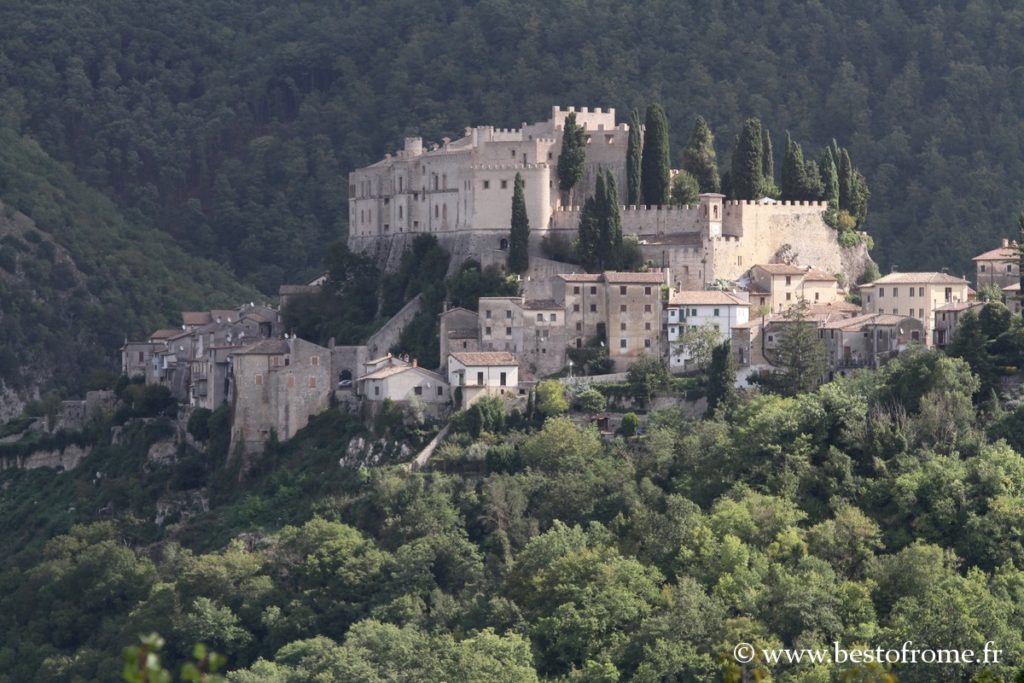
{"points": [[647, 291], [881, 292], [487, 184], [487, 331], [911, 292], [920, 291], [576, 289], [895, 291], [1009, 268], [315, 361], [593, 308], [622, 308], [771, 338], [593, 290], [504, 184], [622, 290], [789, 280], [487, 314], [540, 317], [508, 314], [983, 267], [553, 317], [647, 308], [312, 382], [575, 308], [502, 379], [789, 296], [259, 380], [508, 331], [622, 326], [647, 343], [376, 390], [579, 327], [716, 312], [440, 391], [647, 326], [622, 343], [418, 391], [920, 313]]}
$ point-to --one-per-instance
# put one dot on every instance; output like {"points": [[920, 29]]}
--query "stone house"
{"points": [[916, 295], [278, 384], [690, 310], [459, 331], [775, 287], [483, 373], [948, 316], [1011, 293], [999, 267], [867, 341], [404, 382], [534, 330]]}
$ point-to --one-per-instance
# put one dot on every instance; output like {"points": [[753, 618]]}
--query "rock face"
{"points": [[373, 452], [62, 461]]}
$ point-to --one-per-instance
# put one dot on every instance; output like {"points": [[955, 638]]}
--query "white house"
{"points": [[401, 382], [690, 310], [483, 372]]}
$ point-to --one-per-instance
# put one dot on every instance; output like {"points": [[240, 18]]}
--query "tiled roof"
{"points": [[619, 277], [999, 254], [196, 317], [705, 298], [393, 370], [580, 277], [918, 278], [165, 333], [471, 358], [1015, 287], [860, 321], [541, 305], [267, 347], [780, 268], [815, 275], [960, 305], [224, 314]]}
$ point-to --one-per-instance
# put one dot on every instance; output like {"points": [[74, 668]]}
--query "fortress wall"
{"points": [[640, 220]]}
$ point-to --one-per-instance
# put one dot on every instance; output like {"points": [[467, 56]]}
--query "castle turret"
{"points": [[711, 212], [414, 146]]}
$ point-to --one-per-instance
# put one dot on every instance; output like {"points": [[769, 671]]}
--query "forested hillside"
{"points": [[231, 124]]}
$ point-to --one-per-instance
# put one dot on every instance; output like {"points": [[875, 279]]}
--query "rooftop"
{"points": [[393, 370], [164, 333], [618, 277], [196, 317], [999, 254], [780, 268], [705, 298], [267, 347], [815, 275], [961, 305], [541, 305], [485, 358], [917, 278]]}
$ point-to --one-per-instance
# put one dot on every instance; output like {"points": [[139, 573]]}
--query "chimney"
{"points": [[1006, 243]]}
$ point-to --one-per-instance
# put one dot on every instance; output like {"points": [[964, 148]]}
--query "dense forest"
{"points": [[231, 124], [870, 511]]}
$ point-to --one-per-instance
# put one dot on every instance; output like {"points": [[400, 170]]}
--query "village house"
{"points": [[278, 385], [999, 267], [916, 295], [1011, 293], [692, 310], [947, 318], [533, 330], [867, 341], [481, 373], [459, 331], [401, 381], [775, 287]]}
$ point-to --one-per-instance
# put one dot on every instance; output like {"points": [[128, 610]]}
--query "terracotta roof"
{"points": [[834, 307], [960, 305], [469, 358], [165, 333], [1015, 287], [224, 314], [392, 370], [705, 298], [780, 268], [815, 275], [861, 321], [619, 277], [267, 347], [541, 305], [580, 277], [999, 254], [917, 278], [196, 317], [374, 361]]}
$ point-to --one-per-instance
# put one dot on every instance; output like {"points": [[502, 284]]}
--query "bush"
{"points": [[199, 424], [591, 401], [630, 425]]}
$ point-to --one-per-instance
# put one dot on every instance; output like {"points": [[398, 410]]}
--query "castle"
{"points": [[461, 192]]}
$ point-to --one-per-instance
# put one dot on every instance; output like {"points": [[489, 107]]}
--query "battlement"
{"points": [[823, 205], [625, 209], [590, 118], [508, 167]]}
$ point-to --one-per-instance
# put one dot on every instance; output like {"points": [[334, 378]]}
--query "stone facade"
{"points": [[402, 382], [694, 309], [776, 287], [867, 341], [999, 267], [534, 330], [916, 295], [483, 373], [948, 316]]}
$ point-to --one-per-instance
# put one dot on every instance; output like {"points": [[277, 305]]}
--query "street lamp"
{"points": [[570, 369]]}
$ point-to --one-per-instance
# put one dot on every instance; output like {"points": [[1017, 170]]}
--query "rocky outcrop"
{"points": [[60, 460]]}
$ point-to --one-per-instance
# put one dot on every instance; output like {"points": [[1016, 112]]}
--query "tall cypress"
{"points": [[573, 154], [767, 157], [519, 239], [846, 182], [699, 157], [747, 163], [830, 179], [655, 168], [587, 235], [793, 180], [634, 154], [611, 233]]}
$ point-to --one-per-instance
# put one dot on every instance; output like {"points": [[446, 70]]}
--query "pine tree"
{"points": [[573, 154], [519, 239], [829, 179], [611, 232], [747, 162], [655, 167], [699, 157], [634, 155], [794, 180]]}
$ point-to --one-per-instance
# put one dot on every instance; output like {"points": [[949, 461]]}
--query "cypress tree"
{"points": [[573, 154], [634, 154], [859, 197], [655, 168], [721, 378], [587, 235], [747, 162], [793, 171], [830, 179], [699, 157], [846, 182], [519, 239], [813, 189], [601, 221], [611, 233], [767, 157]]}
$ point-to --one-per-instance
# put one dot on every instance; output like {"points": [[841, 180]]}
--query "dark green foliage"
{"points": [[685, 189], [800, 353], [634, 157], [699, 157], [829, 179], [654, 179], [645, 376], [467, 286], [519, 239], [630, 425], [748, 162], [599, 241], [572, 155], [199, 424], [767, 157], [794, 178], [721, 378]]}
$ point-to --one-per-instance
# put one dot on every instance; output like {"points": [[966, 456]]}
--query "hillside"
{"points": [[77, 277], [231, 124]]}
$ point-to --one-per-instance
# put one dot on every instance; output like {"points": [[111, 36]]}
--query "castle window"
{"points": [[895, 291], [1009, 268], [444, 182], [622, 343], [435, 181], [911, 292], [609, 138], [622, 308], [376, 390], [508, 331], [881, 292], [920, 313], [739, 260], [508, 314], [540, 317], [622, 327], [487, 314], [418, 391], [593, 290], [315, 361], [647, 308], [983, 267], [579, 327], [647, 291], [920, 291], [588, 139], [622, 290], [444, 212], [550, 156], [647, 327], [815, 298], [789, 280], [440, 391], [647, 343], [487, 332], [487, 184], [789, 296], [400, 213], [387, 227], [593, 308], [716, 312], [259, 380], [504, 184], [312, 382], [553, 317], [437, 211]]}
